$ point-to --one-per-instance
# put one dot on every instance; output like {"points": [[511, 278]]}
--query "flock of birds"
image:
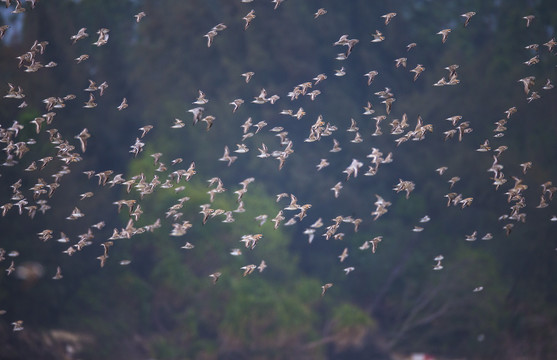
{"points": [[67, 151]]}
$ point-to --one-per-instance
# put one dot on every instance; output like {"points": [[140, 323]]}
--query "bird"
{"points": [[454, 119], [444, 33], [511, 111], [241, 148], [472, 237], [139, 16], [466, 202], [441, 82], [81, 58], [388, 17], [533, 96], [11, 268], [377, 37], [263, 151], [528, 82], [418, 70], [508, 228], [533, 61], [236, 103], [353, 126], [529, 19], [310, 233], [33, 3], [487, 236], [261, 98], [293, 203], [370, 76], [76, 214], [103, 37], [336, 189], [336, 146], [452, 71], [353, 168], [543, 202], [210, 36], [277, 219], [438, 265], [407, 186], [81, 34], [348, 270], [319, 78], [467, 16], [401, 62], [325, 287], [261, 219], [197, 114], [201, 98], [260, 125], [91, 103], [145, 129], [425, 219], [82, 137], [340, 72], [374, 242], [388, 104], [249, 18], [219, 27], [277, 3], [313, 94], [215, 277], [453, 181], [3, 30], [248, 75], [248, 269], [525, 166], [102, 87], [209, 119], [188, 246], [344, 255], [5, 208], [548, 85], [58, 274], [17, 325], [319, 12], [281, 196]]}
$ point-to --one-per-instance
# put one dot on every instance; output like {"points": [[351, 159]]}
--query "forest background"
{"points": [[163, 305]]}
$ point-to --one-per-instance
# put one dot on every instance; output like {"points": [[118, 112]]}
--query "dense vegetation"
{"points": [[163, 305]]}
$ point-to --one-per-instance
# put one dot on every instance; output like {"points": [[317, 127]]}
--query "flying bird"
{"points": [[467, 16]]}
